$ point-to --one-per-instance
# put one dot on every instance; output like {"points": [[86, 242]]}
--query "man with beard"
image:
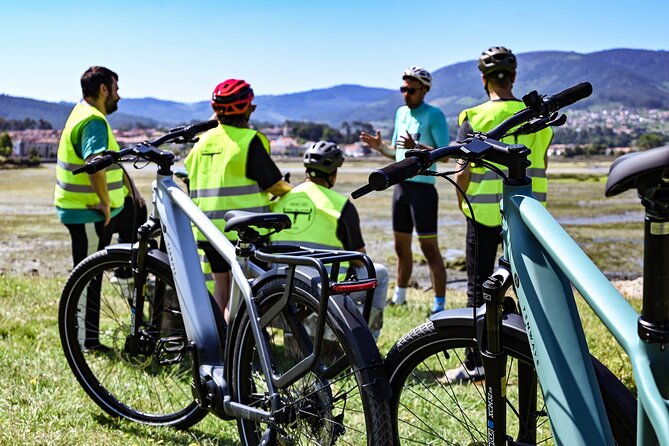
{"points": [[415, 201], [87, 204]]}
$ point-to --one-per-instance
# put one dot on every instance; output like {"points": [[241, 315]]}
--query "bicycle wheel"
{"points": [[152, 387], [430, 409], [320, 409]]}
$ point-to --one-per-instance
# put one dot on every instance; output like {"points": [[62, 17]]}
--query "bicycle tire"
{"points": [[137, 388], [425, 353], [320, 410]]}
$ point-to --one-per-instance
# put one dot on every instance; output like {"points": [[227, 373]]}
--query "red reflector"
{"points": [[350, 287]]}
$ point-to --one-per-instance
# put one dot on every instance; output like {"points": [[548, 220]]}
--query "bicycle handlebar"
{"points": [[147, 150], [480, 145]]}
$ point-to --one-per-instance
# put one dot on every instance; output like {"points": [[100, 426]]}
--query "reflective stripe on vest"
{"points": [[217, 175], [485, 187], [75, 191]]}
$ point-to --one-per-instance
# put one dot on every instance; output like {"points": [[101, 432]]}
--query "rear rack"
{"points": [[293, 256]]}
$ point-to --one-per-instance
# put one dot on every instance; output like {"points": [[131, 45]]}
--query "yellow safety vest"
{"points": [[75, 191], [314, 212], [217, 175], [485, 187]]}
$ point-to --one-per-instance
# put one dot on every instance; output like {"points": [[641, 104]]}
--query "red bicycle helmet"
{"points": [[232, 97]]}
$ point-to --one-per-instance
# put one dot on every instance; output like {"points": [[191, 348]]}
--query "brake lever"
{"points": [[182, 140], [540, 124]]}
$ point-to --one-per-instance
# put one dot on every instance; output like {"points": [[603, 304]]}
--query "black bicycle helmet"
{"points": [[324, 157], [496, 59]]}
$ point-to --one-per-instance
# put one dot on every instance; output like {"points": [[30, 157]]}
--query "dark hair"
{"points": [[93, 78]]}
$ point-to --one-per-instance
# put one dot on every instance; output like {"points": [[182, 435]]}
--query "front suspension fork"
{"points": [[494, 359], [139, 275]]}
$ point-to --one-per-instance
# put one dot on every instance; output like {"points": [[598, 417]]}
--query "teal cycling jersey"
{"points": [[427, 124]]}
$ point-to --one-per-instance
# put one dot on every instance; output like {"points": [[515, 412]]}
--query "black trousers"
{"points": [[481, 265], [128, 220]]}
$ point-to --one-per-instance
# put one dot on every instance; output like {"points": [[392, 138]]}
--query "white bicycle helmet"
{"points": [[420, 74]]}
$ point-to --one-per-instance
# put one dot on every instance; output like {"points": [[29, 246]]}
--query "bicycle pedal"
{"points": [[171, 350]]}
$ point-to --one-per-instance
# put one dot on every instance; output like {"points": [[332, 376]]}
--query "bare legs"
{"points": [[430, 248]]}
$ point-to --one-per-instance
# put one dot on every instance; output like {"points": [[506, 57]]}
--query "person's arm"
{"points": [[279, 188], [349, 232], [99, 185], [261, 168], [93, 141], [462, 179], [376, 142]]}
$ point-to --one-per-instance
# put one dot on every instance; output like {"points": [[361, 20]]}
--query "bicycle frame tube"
{"points": [[545, 262]]}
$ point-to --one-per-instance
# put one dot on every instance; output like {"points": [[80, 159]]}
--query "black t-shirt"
{"points": [[464, 130], [348, 228], [260, 167]]}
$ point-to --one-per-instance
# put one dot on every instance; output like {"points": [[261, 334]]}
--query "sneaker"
{"points": [[462, 374], [392, 303]]}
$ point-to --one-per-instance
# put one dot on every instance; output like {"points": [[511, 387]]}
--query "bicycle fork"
{"points": [[495, 365], [133, 344]]}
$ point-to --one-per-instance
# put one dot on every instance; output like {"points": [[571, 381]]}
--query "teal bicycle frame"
{"points": [[545, 262]]}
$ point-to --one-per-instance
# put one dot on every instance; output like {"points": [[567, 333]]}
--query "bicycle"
{"points": [[153, 347], [583, 402]]}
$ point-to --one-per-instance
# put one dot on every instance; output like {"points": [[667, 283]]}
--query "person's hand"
{"points": [[141, 202], [407, 142], [104, 208], [372, 141]]}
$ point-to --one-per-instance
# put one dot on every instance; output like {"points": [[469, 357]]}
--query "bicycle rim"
{"points": [[318, 409], [139, 387], [431, 409]]}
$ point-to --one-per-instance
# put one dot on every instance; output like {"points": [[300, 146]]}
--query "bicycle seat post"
{"points": [[654, 320]]}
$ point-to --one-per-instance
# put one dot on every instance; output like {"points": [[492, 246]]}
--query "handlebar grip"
{"points": [[203, 126], [97, 164], [382, 179], [364, 190], [569, 96]]}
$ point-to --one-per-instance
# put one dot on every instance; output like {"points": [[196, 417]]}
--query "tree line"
{"points": [[347, 133], [24, 124], [597, 139]]}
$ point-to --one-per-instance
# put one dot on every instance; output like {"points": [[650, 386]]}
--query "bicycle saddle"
{"points": [[639, 169], [244, 219]]}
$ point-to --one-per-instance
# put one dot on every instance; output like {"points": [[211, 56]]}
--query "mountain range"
{"points": [[620, 77]]}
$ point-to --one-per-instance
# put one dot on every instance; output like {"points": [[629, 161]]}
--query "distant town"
{"points": [[587, 132]]}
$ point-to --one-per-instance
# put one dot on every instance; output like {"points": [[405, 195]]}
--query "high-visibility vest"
{"points": [[314, 212], [485, 186], [217, 175], [75, 191]]}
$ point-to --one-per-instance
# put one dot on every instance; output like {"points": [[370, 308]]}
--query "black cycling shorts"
{"points": [[217, 262], [415, 204]]}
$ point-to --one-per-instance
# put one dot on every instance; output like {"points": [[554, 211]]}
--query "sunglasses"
{"points": [[410, 90]]}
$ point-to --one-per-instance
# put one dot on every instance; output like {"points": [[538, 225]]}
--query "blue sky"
{"points": [[179, 50]]}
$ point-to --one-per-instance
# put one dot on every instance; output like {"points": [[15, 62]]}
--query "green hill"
{"points": [[620, 77]]}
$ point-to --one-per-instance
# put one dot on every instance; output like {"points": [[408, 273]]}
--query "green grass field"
{"points": [[40, 400]]}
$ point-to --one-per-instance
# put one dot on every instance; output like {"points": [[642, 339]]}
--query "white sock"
{"points": [[400, 295]]}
